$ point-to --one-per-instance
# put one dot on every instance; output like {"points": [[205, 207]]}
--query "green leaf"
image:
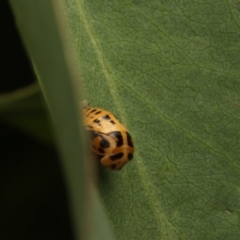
{"points": [[170, 72]]}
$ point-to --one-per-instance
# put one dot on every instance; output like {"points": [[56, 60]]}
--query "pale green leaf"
{"points": [[44, 34]]}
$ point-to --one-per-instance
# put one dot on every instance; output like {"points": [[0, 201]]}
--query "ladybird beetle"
{"points": [[111, 141]]}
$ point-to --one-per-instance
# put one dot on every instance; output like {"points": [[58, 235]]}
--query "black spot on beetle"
{"points": [[116, 156], [104, 143], [130, 156], [119, 137], [101, 150], [90, 113], [94, 110], [112, 122], [97, 122], [129, 140], [97, 112], [106, 117]]}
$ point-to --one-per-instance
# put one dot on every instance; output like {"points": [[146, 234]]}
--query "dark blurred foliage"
{"points": [[33, 195], [16, 71]]}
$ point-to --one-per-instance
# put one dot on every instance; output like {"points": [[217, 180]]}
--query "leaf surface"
{"points": [[170, 72]]}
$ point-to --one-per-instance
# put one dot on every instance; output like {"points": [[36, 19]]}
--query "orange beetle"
{"points": [[111, 141]]}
